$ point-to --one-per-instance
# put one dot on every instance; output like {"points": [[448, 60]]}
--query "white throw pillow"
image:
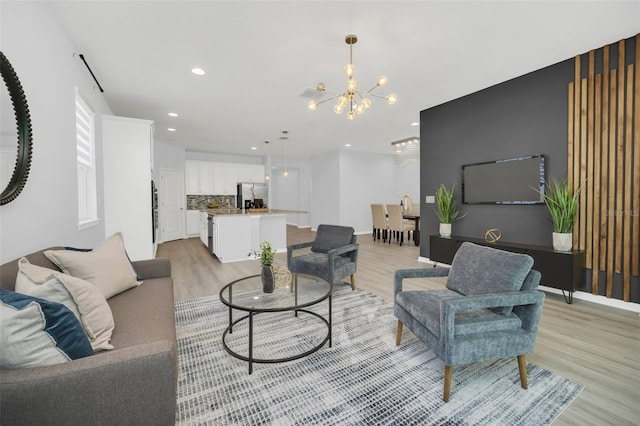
{"points": [[80, 296], [106, 266]]}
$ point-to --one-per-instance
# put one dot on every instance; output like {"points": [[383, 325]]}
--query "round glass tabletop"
{"points": [[246, 294]]}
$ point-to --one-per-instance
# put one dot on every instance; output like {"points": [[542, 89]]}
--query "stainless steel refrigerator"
{"points": [[252, 195]]}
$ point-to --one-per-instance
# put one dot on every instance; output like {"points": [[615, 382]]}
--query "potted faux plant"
{"points": [[447, 210], [562, 203], [266, 255]]}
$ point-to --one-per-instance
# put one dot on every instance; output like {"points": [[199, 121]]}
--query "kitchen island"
{"points": [[233, 233]]}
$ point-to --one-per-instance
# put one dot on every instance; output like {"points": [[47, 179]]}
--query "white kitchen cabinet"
{"points": [[216, 178], [224, 178], [198, 177], [127, 161], [250, 173], [193, 223]]}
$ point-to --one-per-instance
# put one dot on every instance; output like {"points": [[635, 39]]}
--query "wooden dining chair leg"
{"points": [[353, 282]]}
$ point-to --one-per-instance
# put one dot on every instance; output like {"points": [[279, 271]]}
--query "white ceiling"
{"points": [[260, 55]]}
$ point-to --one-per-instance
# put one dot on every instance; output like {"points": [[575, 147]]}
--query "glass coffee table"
{"points": [[246, 295]]}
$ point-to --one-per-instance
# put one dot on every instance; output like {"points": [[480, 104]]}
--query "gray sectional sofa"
{"points": [[134, 383]]}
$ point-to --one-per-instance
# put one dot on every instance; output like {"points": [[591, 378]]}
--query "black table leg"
{"points": [[330, 321], [250, 342]]}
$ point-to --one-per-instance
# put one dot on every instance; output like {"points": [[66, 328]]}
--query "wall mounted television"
{"points": [[507, 181]]}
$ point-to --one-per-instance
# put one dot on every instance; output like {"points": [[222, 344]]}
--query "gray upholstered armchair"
{"points": [[490, 309], [334, 255]]}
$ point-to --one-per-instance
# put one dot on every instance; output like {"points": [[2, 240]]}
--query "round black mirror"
{"points": [[12, 184]]}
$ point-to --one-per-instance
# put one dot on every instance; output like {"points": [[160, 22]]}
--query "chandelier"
{"points": [[352, 100]]}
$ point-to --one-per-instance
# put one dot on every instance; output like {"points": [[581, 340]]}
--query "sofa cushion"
{"points": [[144, 314], [482, 270], [36, 332], [80, 296], [106, 266], [329, 237]]}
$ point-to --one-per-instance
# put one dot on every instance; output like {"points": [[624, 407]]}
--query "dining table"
{"points": [[416, 218]]}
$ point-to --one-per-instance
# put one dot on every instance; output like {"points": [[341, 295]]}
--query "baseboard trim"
{"points": [[600, 300], [582, 295]]}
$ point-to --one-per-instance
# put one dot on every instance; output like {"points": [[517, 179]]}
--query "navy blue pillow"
{"points": [[84, 250], [60, 323]]}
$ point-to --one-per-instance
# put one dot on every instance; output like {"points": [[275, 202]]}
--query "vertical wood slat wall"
{"points": [[604, 154]]}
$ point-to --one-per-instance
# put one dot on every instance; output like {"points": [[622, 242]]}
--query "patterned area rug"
{"points": [[363, 379]]}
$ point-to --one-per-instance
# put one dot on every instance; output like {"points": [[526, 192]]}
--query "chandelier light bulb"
{"points": [[349, 69], [382, 81], [360, 109], [391, 99], [321, 87], [338, 109], [342, 101], [313, 105], [366, 102], [351, 115], [352, 86]]}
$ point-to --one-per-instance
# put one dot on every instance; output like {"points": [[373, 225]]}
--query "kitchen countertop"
{"points": [[236, 212]]}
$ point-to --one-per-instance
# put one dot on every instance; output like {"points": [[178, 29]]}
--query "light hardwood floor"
{"points": [[594, 345]]}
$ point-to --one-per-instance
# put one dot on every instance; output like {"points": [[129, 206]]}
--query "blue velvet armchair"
{"points": [[333, 256], [490, 309]]}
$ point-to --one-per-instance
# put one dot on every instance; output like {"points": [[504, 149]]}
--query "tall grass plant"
{"points": [[562, 203]]}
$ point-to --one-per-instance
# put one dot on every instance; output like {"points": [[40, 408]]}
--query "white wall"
{"points": [[325, 184], [292, 192], [167, 156], [408, 182], [345, 184], [365, 178], [46, 212]]}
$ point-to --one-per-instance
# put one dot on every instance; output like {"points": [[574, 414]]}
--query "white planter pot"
{"points": [[445, 229], [562, 241]]}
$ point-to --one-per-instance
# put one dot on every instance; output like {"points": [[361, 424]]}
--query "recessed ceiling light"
{"points": [[253, 147], [197, 71], [171, 129], [173, 114], [347, 145], [415, 123]]}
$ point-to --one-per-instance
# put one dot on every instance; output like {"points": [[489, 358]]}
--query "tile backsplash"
{"points": [[198, 202]]}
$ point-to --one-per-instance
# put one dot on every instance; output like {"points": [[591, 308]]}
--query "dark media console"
{"points": [[561, 270]]}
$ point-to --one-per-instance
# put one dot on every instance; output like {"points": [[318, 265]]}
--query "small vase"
{"points": [[268, 284], [562, 241], [445, 229]]}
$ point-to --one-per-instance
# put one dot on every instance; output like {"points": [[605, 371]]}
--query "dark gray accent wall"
{"points": [[523, 116]]}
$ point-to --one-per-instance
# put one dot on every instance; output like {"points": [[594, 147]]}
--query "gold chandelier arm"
{"points": [[372, 89], [326, 100]]}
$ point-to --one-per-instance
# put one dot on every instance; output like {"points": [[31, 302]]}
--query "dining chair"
{"points": [[397, 225], [380, 222]]}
